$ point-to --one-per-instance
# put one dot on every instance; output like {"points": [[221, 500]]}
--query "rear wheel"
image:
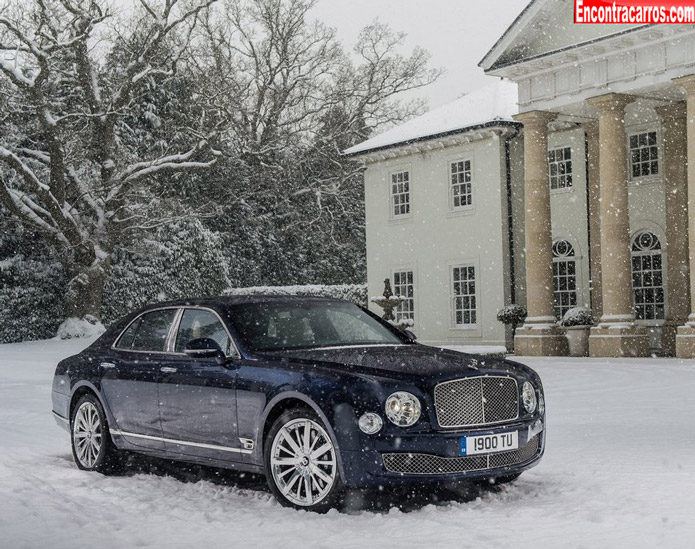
{"points": [[301, 462], [92, 446]]}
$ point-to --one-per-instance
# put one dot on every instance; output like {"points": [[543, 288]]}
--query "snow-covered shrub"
{"points": [[31, 299], [355, 293], [183, 259], [577, 316], [513, 315], [80, 327]]}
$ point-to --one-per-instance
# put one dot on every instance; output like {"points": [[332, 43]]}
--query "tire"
{"points": [[302, 473], [92, 447]]}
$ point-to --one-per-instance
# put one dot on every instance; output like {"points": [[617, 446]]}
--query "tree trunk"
{"points": [[86, 289]]}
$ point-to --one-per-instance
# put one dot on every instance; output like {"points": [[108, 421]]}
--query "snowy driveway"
{"points": [[619, 471]]}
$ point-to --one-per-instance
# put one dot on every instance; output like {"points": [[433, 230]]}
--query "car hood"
{"points": [[396, 360]]}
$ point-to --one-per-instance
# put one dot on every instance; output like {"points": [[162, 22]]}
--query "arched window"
{"points": [[564, 277], [647, 276]]}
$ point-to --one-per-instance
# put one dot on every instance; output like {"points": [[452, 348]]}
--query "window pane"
{"points": [[153, 330], [196, 324], [126, 340]]}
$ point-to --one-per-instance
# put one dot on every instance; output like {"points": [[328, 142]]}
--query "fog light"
{"points": [[528, 397], [370, 423]]}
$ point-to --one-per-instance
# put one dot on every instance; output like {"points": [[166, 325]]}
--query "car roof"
{"points": [[225, 301]]}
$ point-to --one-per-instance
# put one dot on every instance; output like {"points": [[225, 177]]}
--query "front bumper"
{"points": [[435, 457]]}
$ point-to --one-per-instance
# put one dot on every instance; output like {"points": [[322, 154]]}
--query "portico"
{"points": [[627, 87]]}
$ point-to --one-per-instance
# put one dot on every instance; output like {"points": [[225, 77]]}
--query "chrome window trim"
{"points": [[173, 330], [181, 442], [482, 403]]}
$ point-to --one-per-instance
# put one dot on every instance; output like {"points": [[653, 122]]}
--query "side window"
{"points": [[152, 331], [126, 340], [197, 323]]}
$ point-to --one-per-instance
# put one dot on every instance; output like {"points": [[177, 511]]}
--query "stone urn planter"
{"points": [[577, 323], [578, 340]]}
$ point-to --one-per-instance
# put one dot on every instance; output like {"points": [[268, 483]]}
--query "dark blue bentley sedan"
{"points": [[318, 394]]}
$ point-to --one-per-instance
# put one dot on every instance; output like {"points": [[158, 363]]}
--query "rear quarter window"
{"points": [[149, 332]]}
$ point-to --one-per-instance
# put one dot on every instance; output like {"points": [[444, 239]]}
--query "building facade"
{"points": [[594, 194]]}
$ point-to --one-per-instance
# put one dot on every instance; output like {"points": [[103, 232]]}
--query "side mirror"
{"points": [[205, 347], [410, 335]]}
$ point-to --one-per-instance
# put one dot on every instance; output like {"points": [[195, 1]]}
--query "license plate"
{"points": [[489, 444]]}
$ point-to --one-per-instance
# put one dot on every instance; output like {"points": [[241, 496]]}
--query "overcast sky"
{"points": [[457, 33]]}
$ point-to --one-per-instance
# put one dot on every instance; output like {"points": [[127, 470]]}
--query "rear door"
{"points": [[130, 375], [197, 395]]}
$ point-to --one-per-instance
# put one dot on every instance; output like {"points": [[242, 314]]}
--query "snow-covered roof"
{"points": [[494, 103]]}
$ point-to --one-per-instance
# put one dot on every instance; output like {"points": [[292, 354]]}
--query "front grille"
{"points": [[428, 464], [474, 401]]}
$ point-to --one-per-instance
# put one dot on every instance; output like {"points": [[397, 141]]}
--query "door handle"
{"points": [[167, 370], [108, 365]]}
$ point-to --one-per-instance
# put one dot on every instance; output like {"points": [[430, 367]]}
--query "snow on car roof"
{"points": [[494, 103]]}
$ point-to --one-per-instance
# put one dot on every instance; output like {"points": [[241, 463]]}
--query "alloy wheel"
{"points": [[87, 434], [303, 462]]}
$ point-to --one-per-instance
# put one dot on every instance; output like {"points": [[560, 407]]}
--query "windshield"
{"points": [[295, 325]]}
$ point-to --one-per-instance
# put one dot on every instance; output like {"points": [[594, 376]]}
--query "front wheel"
{"points": [[301, 462], [92, 446]]}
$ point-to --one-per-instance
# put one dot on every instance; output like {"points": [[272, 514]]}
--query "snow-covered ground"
{"points": [[619, 471]]}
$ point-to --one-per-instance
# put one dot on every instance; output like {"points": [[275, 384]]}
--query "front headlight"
{"points": [[403, 409], [528, 397]]}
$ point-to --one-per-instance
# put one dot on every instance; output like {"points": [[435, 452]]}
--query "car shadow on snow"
{"points": [[406, 498]]}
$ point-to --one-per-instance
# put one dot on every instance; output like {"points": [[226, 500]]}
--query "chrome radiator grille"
{"points": [[476, 401], [428, 464]]}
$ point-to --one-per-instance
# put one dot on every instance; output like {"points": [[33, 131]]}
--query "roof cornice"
{"points": [[438, 141]]}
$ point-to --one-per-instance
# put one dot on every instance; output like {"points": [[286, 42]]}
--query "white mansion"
{"points": [[569, 183]]}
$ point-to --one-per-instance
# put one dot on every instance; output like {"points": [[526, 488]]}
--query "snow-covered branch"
{"points": [[171, 163]]}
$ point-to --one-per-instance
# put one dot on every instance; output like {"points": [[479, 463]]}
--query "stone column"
{"points": [[675, 172], [540, 335], [592, 142], [617, 334], [685, 340]]}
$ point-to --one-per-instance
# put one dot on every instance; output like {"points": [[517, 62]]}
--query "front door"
{"points": [[197, 396]]}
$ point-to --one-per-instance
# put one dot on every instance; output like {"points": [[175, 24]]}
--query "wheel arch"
{"points": [[79, 391], [287, 401]]}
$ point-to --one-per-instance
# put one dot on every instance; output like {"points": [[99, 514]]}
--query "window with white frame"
{"points": [[644, 154], [461, 184], [560, 168], [647, 277], [404, 285], [400, 193], [464, 296], [564, 277]]}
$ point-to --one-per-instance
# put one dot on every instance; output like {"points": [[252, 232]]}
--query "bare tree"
{"points": [[295, 99], [70, 76]]}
